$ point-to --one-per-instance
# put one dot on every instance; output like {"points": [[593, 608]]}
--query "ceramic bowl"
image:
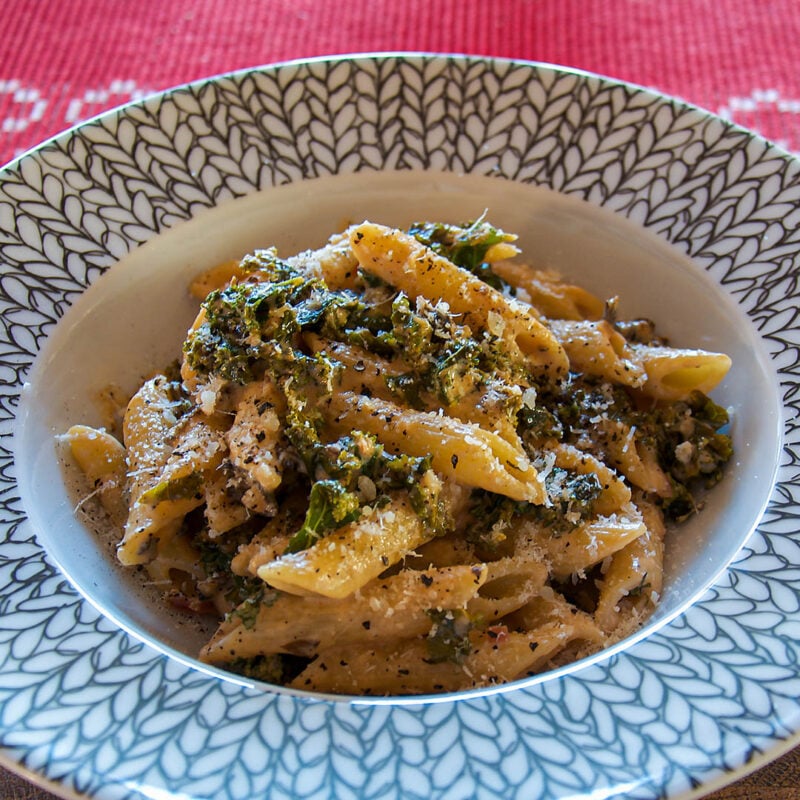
{"points": [[690, 221]]}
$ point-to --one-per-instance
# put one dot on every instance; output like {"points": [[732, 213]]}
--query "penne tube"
{"points": [[147, 425], [403, 262], [254, 437], [632, 583], [384, 609], [614, 494], [548, 607], [636, 461], [596, 349], [223, 512], [366, 373], [496, 656], [175, 554], [218, 277], [510, 584], [590, 543], [102, 459], [335, 263], [167, 489], [343, 561], [443, 551], [549, 294], [270, 542], [673, 374], [483, 408], [461, 451]]}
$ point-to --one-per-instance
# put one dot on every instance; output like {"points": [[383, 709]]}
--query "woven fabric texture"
{"points": [[63, 62]]}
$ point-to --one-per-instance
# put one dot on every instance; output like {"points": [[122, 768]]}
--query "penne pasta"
{"points": [[596, 349], [403, 262], [174, 491], [384, 610], [498, 656], [631, 583], [463, 451], [102, 459], [576, 552], [366, 373], [549, 294], [672, 374], [335, 262], [253, 436], [378, 474], [341, 563], [636, 461], [612, 495], [217, 277]]}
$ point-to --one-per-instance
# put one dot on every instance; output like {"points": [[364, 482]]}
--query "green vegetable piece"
{"points": [[409, 387], [246, 321], [539, 424], [268, 668], [572, 496], [172, 489], [466, 246], [411, 333], [266, 264], [456, 372], [330, 506], [448, 639]]}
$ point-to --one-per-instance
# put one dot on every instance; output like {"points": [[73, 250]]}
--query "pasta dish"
{"points": [[408, 463]]}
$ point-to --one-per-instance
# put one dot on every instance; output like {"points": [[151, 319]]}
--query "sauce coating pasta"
{"points": [[406, 463]]}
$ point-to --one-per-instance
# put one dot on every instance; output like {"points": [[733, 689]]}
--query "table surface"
{"points": [[62, 62]]}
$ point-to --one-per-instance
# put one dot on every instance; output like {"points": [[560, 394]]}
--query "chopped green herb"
{"points": [[490, 516], [245, 321], [330, 506], [538, 425], [448, 639], [181, 488], [571, 497], [247, 610], [466, 246], [270, 668]]}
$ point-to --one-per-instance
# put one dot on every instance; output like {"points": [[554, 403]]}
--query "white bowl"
{"points": [[134, 320], [687, 219]]}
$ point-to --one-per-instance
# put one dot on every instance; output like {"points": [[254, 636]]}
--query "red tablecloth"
{"points": [[61, 62]]}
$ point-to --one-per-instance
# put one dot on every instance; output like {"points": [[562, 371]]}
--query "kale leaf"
{"points": [[330, 506]]}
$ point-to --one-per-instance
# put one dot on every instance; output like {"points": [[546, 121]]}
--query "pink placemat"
{"points": [[63, 62]]}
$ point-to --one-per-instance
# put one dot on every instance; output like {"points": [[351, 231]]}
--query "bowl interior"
{"points": [[133, 319]]}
